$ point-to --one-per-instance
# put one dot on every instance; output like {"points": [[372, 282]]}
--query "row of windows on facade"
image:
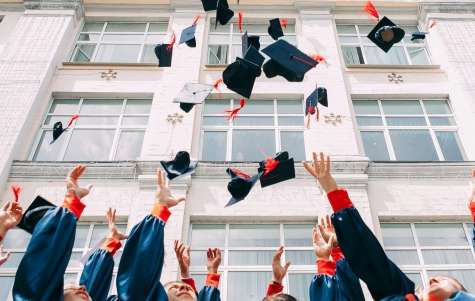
{"points": [[120, 42], [420, 249], [114, 129]]}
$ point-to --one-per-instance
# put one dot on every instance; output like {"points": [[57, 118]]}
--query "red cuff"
{"points": [[274, 288], [161, 212], [212, 280], [339, 200], [111, 245], [337, 254], [1, 238], [472, 209], [74, 204], [190, 282], [326, 267]]}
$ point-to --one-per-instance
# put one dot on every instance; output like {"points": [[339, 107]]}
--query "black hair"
{"points": [[280, 297]]}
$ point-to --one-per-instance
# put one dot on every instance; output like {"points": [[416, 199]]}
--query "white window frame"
{"points": [[230, 127], [385, 128], [101, 33], [225, 268], [361, 44]]}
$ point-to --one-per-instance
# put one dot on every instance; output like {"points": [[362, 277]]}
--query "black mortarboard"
{"points": [[223, 13], [319, 95], [58, 129], [192, 94], [241, 75], [240, 185], [209, 4], [418, 35], [385, 34], [249, 41], [34, 213], [164, 53], [287, 61], [179, 166], [188, 36], [275, 29], [277, 169]]}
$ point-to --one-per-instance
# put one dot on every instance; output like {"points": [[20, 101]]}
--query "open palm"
{"points": [[72, 182], [164, 195], [321, 247], [113, 230]]}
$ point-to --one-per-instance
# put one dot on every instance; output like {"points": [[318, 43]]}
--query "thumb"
{"points": [[286, 267], [89, 187], [331, 240], [180, 199]]}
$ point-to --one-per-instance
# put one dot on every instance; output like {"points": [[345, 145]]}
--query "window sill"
{"points": [[145, 66], [391, 67], [214, 67]]}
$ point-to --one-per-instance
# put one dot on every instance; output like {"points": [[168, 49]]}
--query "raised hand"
{"points": [[3, 256], [183, 256], [320, 169], [214, 260], [321, 247], [164, 196], [279, 271], [10, 216], [113, 231], [72, 185], [326, 229]]}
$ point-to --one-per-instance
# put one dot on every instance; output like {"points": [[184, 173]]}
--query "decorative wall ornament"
{"points": [[333, 119], [395, 78], [110, 74], [174, 118]]}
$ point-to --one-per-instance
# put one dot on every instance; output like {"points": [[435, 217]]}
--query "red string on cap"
{"points": [[319, 58], [172, 42], [304, 61], [270, 165], [240, 173], [195, 21], [284, 22], [371, 10], [240, 18], [234, 112], [217, 83], [16, 192], [70, 122]]}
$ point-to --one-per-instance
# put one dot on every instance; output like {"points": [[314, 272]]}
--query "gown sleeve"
{"points": [[141, 264], [97, 273], [324, 283], [363, 252], [211, 291], [41, 271]]}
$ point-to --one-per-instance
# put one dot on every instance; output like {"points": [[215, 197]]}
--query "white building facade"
{"points": [[399, 128]]}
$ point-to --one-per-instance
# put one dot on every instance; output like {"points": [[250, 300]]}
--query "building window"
{"points": [[408, 130], [262, 128], [119, 42], [224, 42], [88, 235], [357, 49], [423, 250], [247, 257], [107, 129]]}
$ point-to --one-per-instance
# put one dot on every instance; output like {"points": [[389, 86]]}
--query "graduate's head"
{"points": [[73, 292], [179, 291], [279, 297], [442, 288]]}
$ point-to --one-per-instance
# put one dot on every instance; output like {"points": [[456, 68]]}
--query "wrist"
{"points": [[3, 232], [185, 274], [323, 257], [276, 281], [213, 270]]}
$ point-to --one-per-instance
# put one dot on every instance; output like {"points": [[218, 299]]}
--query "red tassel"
{"points": [[270, 165], [319, 58], [70, 122], [234, 112], [307, 123], [195, 21], [217, 83], [16, 192], [240, 18], [432, 24], [241, 174], [371, 10], [172, 42], [310, 110], [284, 22]]}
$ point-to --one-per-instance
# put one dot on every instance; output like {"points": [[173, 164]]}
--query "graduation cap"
{"points": [[240, 185], [318, 96], [58, 129], [277, 169], [164, 53], [223, 13], [287, 61], [249, 41], [34, 213], [419, 35], [188, 36], [209, 5], [275, 29], [385, 34], [179, 166], [192, 94], [241, 74]]}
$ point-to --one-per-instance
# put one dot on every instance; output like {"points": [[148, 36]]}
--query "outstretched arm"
{"points": [[211, 291], [10, 216], [279, 272]]}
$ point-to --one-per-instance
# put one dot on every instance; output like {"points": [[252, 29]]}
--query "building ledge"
{"points": [[385, 68], [215, 67], [421, 170], [115, 66]]}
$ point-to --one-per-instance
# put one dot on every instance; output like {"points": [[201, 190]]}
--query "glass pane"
{"points": [[352, 55], [250, 257], [16, 239], [70, 278], [369, 121], [138, 106], [51, 120], [403, 257], [89, 37], [100, 231], [118, 53], [97, 148], [298, 286], [64, 106], [365, 29], [300, 257], [86, 120], [6, 283], [83, 53], [289, 107], [349, 40], [395, 56], [298, 235], [366, 107], [75, 260], [252, 28], [158, 27], [148, 55], [293, 142], [441, 235], [125, 27], [47, 151], [13, 261], [346, 29], [442, 120], [257, 107], [221, 39], [134, 120], [217, 54], [291, 121], [447, 256], [82, 231], [212, 28], [437, 107], [247, 285], [406, 107], [236, 50], [216, 106], [413, 145], [130, 145], [254, 235], [416, 278], [418, 55], [102, 106], [139, 38], [219, 120], [449, 145], [252, 145], [207, 236], [93, 26], [214, 146], [407, 121], [254, 121], [200, 281], [466, 277], [155, 39], [198, 258], [375, 146], [397, 235]]}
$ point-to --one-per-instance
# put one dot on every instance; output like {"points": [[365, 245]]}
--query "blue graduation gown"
{"points": [[209, 293], [97, 274]]}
